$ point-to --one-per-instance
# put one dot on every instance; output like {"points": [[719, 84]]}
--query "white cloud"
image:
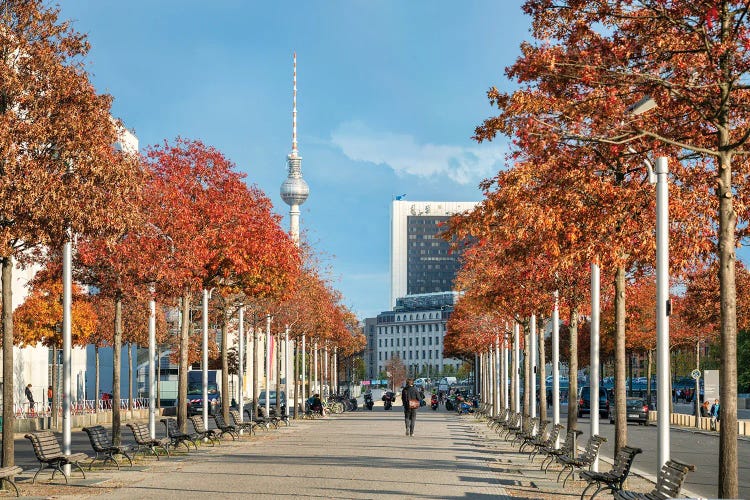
{"points": [[402, 153]]}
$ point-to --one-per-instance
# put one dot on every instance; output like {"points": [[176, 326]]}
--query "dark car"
{"points": [[584, 401], [637, 411]]}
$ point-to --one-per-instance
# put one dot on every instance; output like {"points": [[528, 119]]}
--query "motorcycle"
{"points": [[388, 399], [369, 403], [434, 403]]}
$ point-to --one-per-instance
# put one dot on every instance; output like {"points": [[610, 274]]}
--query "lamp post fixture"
{"points": [[556, 365], [663, 305]]}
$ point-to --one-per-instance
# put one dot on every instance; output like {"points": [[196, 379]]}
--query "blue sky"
{"points": [[389, 93]]}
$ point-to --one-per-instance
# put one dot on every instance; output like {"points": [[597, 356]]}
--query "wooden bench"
{"points": [[202, 432], [496, 422], [7, 473], [143, 440], [47, 450], [225, 428], [176, 436], [247, 425], [528, 425], [103, 447], [613, 479], [514, 424], [668, 483], [545, 441], [567, 448], [540, 430], [586, 460]]}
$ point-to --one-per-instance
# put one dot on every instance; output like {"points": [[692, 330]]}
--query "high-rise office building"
{"points": [[421, 261]]}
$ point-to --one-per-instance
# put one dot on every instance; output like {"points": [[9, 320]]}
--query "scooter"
{"points": [[369, 403], [434, 403], [388, 400]]}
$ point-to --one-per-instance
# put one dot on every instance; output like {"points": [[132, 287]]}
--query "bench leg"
{"points": [[583, 493], [12, 483], [75, 464], [572, 470], [603, 487]]}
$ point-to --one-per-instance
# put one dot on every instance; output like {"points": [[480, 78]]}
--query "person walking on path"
{"points": [[410, 399], [715, 414], [30, 397]]}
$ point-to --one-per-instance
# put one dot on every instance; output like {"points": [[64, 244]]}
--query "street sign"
{"points": [[696, 374]]}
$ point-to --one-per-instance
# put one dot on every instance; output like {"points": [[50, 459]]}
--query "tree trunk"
{"points": [[513, 375], [96, 379], [573, 370], [728, 480], [256, 371], [8, 457], [649, 367], [182, 381], [55, 392], [526, 373], [542, 373], [225, 367], [116, 363], [621, 418], [130, 376], [297, 388], [158, 380]]}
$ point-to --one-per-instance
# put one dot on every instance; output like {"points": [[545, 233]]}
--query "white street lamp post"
{"points": [[152, 362], [556, 366], [269, 358], [662, 311], [286, 373], [67, 341], [516, 368], [241, 360], [204, 367], [532, 366], [594, 371], [302, 371]]}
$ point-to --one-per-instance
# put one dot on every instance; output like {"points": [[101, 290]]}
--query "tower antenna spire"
{"points": [[294, 108], [294, 190]]}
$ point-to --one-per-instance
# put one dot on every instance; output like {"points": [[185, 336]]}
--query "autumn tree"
{"points": [[691, 59], [56, 137]]}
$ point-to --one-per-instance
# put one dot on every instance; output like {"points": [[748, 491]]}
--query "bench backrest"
{"points": [[141, 433], [46, 446], [220, 422], [198, 423], [544, 430], [670, 478], [592, 449], [99, 438], [235, 416], [623, 460], [554, 434], [172, 429]]}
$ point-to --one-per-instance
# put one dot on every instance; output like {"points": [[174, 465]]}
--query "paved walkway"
{"points": [[354, 455]]}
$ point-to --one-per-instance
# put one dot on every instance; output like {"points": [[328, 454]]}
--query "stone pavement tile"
{"points": [[354, 455], [522, 478]]}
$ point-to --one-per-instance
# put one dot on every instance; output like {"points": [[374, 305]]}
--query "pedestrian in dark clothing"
{"points": [[30, 397], [410, 399]]}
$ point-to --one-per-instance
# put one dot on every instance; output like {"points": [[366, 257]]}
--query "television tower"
{"points": [[294, 189]]}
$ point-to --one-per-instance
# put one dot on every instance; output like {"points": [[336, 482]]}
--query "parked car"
{"points": [[272, 399], [421, 382], [584, 401], [636, 408]]}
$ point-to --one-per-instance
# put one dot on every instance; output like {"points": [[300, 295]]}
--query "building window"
{"points": [[380, 343], [437, 340], [409, 341], [410, 355], [430, 353], [429, 340], [416, 354], [380, 356], [398, 342]]}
